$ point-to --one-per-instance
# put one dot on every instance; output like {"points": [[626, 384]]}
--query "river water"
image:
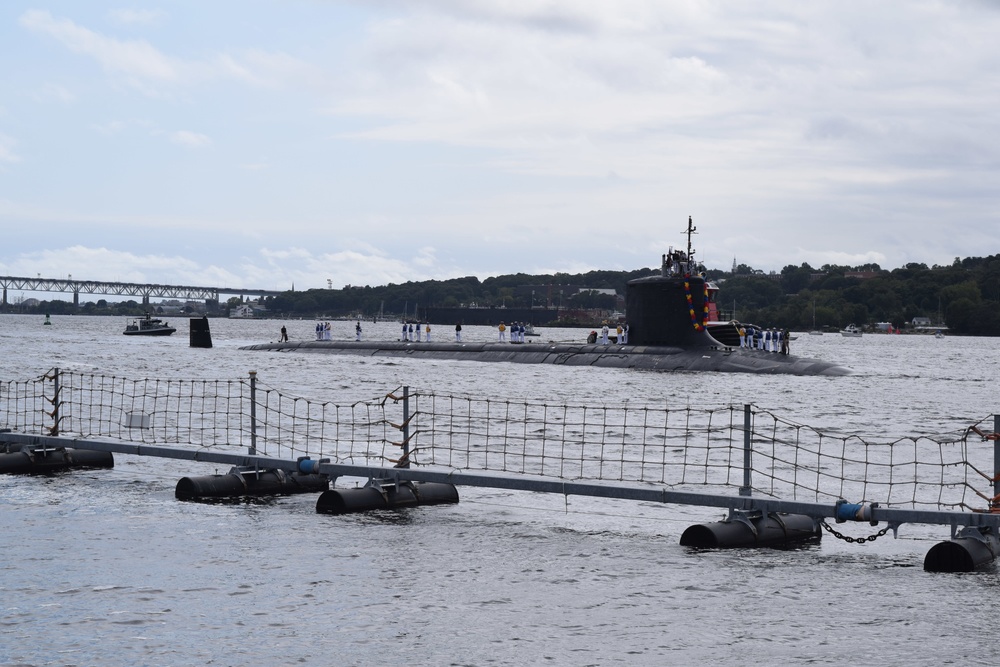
{"points": [[107, 568]]}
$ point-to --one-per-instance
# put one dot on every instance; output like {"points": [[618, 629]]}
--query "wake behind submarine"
{"points": [[672, 327]]}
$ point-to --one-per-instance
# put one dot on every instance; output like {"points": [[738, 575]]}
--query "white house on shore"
{"points": [[244, 311]]}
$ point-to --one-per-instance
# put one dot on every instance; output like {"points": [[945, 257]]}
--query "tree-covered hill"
{"points": [[964, 296]]}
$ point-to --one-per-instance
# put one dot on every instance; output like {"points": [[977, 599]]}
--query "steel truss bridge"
{"points": [[145, 291]]}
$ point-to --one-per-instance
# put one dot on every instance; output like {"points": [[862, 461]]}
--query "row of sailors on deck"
{"points": [[768, 340], [412, 334], [516, 332], [603, 338], [324, 331], [622, 332]]}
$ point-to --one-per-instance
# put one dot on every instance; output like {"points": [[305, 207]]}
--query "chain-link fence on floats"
{"points": [[688, 448]]}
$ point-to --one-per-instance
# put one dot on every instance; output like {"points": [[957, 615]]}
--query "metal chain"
{"points": [[848, 538]]}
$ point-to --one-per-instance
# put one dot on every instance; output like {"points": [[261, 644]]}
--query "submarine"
{"points": [[673, 326]]}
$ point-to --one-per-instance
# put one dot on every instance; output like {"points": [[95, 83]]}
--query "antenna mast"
{"points": [[690, 253]]}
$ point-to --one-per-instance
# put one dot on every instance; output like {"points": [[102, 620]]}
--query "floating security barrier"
{"points": [[385, 494], [250, 482], [972, 549], [17, 458], [753, 529]]}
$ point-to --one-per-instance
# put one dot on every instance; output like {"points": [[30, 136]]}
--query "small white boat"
{"points": [[850, 331]]}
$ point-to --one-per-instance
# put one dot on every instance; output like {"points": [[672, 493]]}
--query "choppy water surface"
{"points": [[107, 568]]}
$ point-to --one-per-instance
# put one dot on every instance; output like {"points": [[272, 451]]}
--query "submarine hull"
{"points": [[646, 357], [667, 316]]}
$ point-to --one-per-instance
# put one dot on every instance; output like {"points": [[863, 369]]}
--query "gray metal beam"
{"points": [[642, 492]]}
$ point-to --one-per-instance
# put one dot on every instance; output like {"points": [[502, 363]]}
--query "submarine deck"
{"points": [[647, 357]]}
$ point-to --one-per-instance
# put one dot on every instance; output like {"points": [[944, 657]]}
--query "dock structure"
{"points": [[780, 481]]}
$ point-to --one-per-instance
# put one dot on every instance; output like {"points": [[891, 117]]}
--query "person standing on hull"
{"points": [[502, 329], [284, 334], [604, 334], [427, 330], [625, 334], [418, 332], [357, 331], [404, 332], [458, 332]]}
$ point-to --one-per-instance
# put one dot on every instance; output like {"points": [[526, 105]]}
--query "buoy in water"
{"points": [[384, 494], [746, 529], [36, 459], [250, 482], [972, 549]]}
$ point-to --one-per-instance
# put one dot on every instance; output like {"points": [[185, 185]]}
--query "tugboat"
{"points": [[148, 326]]}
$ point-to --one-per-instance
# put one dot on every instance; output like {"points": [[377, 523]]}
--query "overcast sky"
{"points": [[266, 144]]}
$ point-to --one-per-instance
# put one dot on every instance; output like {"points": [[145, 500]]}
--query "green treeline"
{"points": [[518, 290], [964, 296]]}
